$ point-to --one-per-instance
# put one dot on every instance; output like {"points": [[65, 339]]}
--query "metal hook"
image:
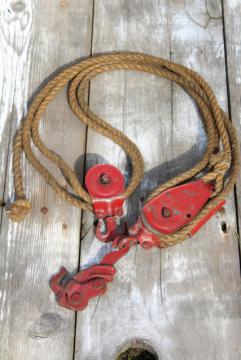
{"points": [[110, 229]]}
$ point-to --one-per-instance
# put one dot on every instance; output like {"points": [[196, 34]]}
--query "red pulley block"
{"points": [[175, 207], [105, 184]]}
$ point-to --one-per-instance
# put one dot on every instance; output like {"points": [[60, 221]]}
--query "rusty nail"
{"points": [[44, 210]]}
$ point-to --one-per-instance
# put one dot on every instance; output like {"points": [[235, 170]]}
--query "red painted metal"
{"points": [[75, 293], [110, 226], [144, 237], [175, 207], [207, 217], [164, 214], [168, 212], [104, 181], [105, 184], [108, 207]]}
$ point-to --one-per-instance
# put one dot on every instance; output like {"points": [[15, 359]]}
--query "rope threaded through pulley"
{"points": [[220, 160]]}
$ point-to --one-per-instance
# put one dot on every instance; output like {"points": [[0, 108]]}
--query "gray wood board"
{"points": [[232, 15], [38, 38], [183, 301]]}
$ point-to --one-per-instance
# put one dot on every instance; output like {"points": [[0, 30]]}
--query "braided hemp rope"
{"points": [[222, 152]]}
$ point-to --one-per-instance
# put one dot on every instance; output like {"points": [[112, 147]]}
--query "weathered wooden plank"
{"points": [[232, 15], [37, 38], [209, 272], [15, 30], [183, 301]]}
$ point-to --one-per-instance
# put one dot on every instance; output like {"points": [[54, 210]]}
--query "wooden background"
{"points": [[185, 301]]}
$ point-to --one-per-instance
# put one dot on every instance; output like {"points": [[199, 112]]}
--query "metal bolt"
{"points": [[105, 179]]}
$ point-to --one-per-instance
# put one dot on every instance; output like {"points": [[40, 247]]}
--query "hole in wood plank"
{"points": [[136, 350], [224, 227], [2, 203], [136, 354]]}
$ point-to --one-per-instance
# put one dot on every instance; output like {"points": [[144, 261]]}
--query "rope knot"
{"points": [[219, 164], [19, 209], [219, 160]]}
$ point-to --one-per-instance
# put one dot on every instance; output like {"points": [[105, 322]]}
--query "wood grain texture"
{"points": [[37, 38], [185, 300], [15, 32], [232, 15]]}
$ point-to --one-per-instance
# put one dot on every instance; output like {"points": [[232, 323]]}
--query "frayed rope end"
{"points": [[19, 209]]}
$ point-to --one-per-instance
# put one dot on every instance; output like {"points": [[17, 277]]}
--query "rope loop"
{"points": [[220, 160]]}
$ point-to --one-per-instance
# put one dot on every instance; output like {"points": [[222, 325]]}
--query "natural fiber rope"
{"points": [[222, 152]]}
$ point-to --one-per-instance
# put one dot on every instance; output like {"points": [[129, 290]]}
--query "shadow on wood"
{"points": [[152, 178]]}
